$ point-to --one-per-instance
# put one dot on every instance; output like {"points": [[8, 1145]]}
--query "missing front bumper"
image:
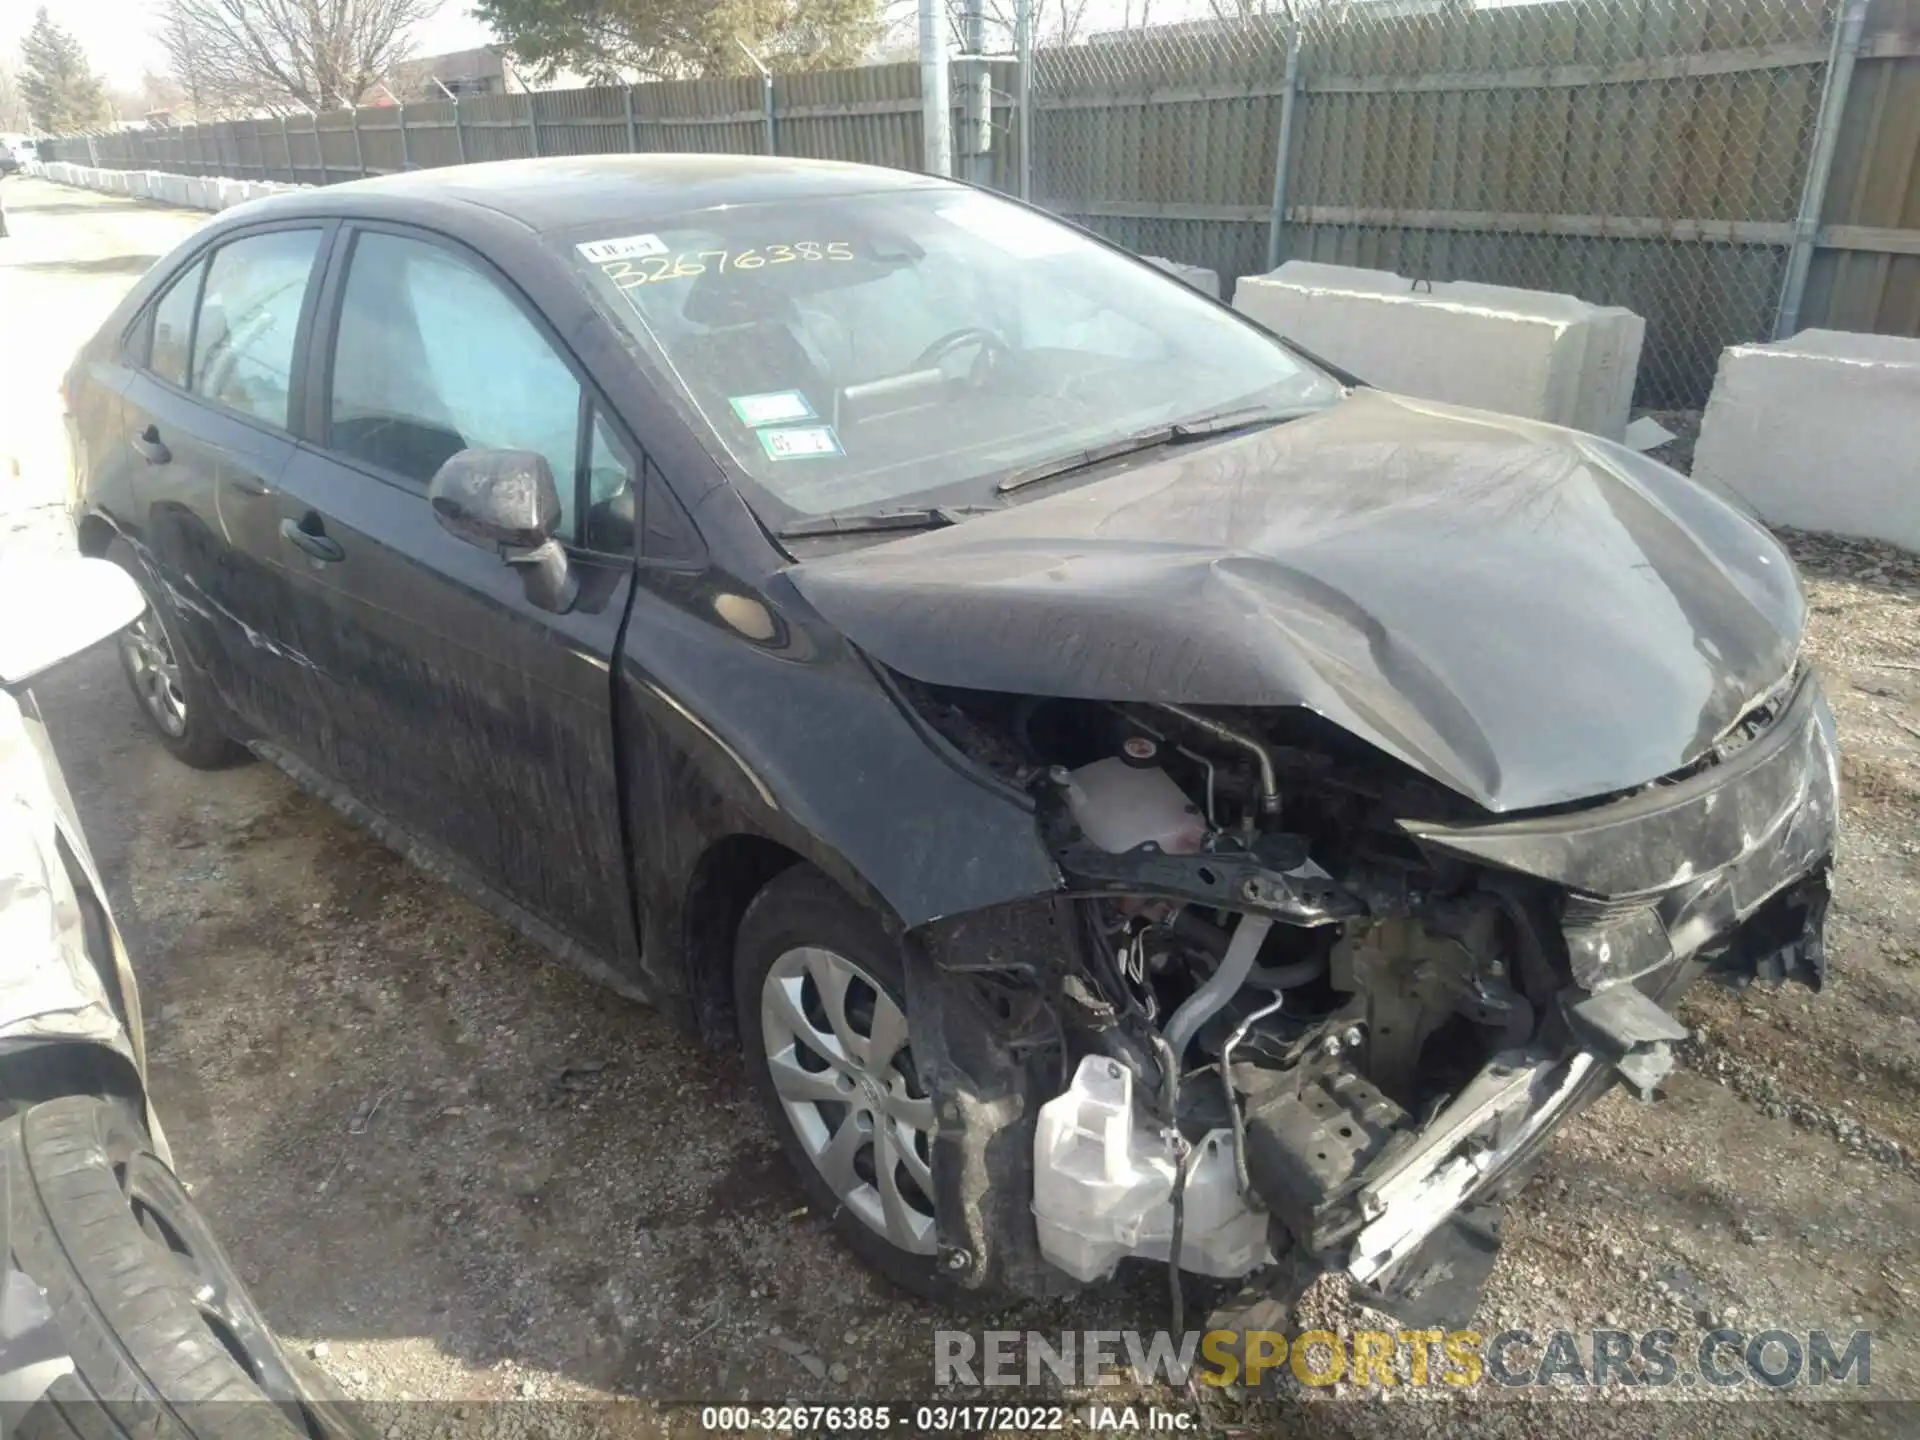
{"points": [[1727, 868], [1368, 1194]]}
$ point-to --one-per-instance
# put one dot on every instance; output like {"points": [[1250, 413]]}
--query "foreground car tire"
{"points": [[175, 698], [823, 1026], [163, 1336]]}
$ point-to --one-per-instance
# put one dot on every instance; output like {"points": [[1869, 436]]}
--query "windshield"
{"points": [[863, 350]]}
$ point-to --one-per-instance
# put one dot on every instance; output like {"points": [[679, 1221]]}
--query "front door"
{"points": [[454, 706]]}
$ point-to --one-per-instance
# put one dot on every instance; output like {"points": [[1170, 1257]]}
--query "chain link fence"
{"points": [[1646, 153]]}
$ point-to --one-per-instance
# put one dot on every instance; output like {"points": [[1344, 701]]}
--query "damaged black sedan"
{"points": [[1127, 786]]}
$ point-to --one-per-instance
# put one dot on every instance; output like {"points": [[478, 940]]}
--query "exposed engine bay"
{"points": [[1318, 1001]]}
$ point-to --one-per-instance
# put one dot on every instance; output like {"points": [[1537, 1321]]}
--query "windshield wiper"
{"points": [[855, 522], [1203, 427]]}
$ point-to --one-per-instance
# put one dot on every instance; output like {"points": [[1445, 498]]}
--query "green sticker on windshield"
{"points": [[776, 408], [800, 442]]}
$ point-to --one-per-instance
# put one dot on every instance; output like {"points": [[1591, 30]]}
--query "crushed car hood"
{"points": [[1527, 614]]}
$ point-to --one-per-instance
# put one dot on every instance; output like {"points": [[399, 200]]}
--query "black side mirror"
{"points": [[506, 501]]}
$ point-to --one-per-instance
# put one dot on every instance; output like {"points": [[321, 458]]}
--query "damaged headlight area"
{"points": [[1304, 999]]}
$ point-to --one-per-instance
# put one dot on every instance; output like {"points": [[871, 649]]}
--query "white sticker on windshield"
{"points": [[626, 247], [776, 408], [1016, 231], [800, 442]]}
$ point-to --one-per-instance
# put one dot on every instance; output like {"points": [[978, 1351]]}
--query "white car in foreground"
{"points": [[119, 1312]]}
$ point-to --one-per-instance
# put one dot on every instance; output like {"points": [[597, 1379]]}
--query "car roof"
{"points": [[578, 191]]}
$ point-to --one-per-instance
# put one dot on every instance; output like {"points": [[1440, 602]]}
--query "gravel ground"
{"points": [[459, 1173]]}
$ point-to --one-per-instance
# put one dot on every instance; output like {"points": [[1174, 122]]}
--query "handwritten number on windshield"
{"points": [[654, 269]]}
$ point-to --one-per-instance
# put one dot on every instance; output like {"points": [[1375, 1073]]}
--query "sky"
{"points": [[118, 34], [118, 38]]}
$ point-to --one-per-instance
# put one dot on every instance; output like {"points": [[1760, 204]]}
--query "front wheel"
{"points": [[823, 1025]]}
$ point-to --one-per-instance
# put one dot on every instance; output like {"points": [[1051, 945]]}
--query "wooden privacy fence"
{"points": [[1723, 167], [871, 114]]}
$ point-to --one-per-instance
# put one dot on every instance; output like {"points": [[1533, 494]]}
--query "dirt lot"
{"points": [[458, 1172]]}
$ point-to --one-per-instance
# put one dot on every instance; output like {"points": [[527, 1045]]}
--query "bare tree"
{"points": [[1055, 22], [13, 103], [278, 54]]}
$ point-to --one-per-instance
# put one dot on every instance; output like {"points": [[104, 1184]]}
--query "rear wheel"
{"points": [[174, 696], [823, 1025]]}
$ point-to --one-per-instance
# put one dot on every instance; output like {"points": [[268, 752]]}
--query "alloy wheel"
{"points": [[836, 1046], [156, 672]]}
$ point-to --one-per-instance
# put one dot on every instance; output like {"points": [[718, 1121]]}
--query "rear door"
{"points": [[452, 705], [206, 415]]}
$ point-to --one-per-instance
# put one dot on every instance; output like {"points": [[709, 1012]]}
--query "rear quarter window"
{"points": [[168, 353]]}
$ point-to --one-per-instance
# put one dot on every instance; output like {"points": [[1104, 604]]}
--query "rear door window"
{"points": [[249, 318], [432, 356]]}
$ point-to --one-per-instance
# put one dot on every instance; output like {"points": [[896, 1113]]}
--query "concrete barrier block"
{"points": [[1821, 432], [1198, 276], [228, 193], [1522, 352]]}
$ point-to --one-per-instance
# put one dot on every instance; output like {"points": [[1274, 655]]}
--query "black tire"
{"points": [[164, 1338], [202, 741], [802, 907]]}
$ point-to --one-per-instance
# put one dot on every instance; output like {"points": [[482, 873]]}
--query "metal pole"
{"points": [[766, 91], [1826, 137], [633, 129], [936, 113], [1023, 89], [319, 146], [1283, 147], [978, 97], [286, 144], [406, 157], [359, 153], [533, 121], [459, 134]]}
